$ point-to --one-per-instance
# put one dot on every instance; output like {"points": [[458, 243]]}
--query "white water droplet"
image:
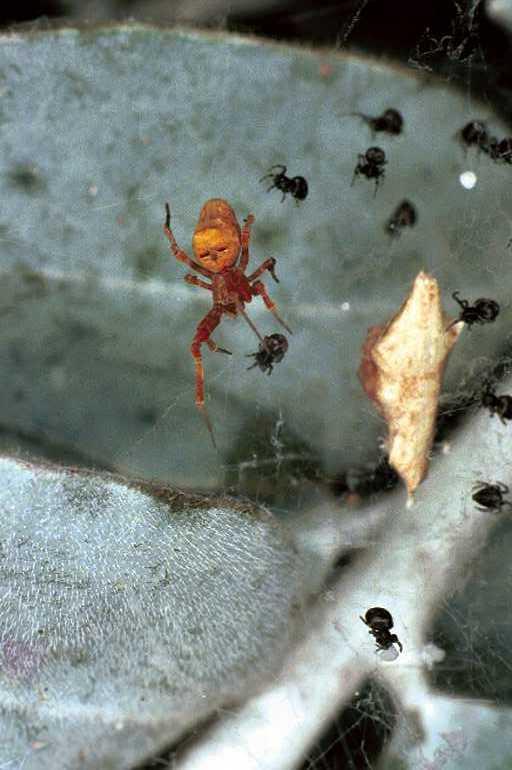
{"points": [[468, 179]]}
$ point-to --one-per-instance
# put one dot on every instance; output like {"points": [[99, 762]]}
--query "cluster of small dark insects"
{"points": [[483, 311], [475, 134], [404, 216], [296, 186], [489, 497], [371, 163], [380, 623]]}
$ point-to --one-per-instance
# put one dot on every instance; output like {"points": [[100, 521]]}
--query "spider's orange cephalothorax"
{"points": [[217, 237]]}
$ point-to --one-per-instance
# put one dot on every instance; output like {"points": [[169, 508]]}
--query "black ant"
{"points": [[297, 186], [474, 134], [482, 312], [371, 165], [380, 623], [500, 405], [271, 351], [390, 122], [490, 496], [403, 216]]}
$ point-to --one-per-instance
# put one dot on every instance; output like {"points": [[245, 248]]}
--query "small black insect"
{"points": [[490, 496], [271, 351], [501, 151], [500, 405], [380, 623], [297, 186], [390, 122], [371, 165], [474, 134], [482, 312], [403, 216]]}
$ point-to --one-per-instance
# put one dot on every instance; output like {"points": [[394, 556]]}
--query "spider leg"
{"points": [[203, 331], [180, 255], [377, 182], [462, 302], [216, 349], [259, 288], [356, 173], [503, 486], [268, 264], [246, 234], [197, 282], [244, 315], [269, 172]]}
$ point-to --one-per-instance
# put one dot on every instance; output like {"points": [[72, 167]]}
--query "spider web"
{"points": [[281, 468]]}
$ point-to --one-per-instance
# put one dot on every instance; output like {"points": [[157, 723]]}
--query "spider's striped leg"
{"points": [[259, 288], [246, 234], [269, 264], [216, 348], [203, 331]]}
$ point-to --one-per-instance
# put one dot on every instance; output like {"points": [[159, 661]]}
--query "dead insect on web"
{"points": [[371, 165], [221, 249], [270, 352], [297, 186], [490, 496], [482, 312], [501, 151], [390, 122], [500, 405], [474, 134], [403, 216], [380, 623]]}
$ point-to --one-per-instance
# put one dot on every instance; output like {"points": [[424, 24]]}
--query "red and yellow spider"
{"points": [[222, 253]]}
